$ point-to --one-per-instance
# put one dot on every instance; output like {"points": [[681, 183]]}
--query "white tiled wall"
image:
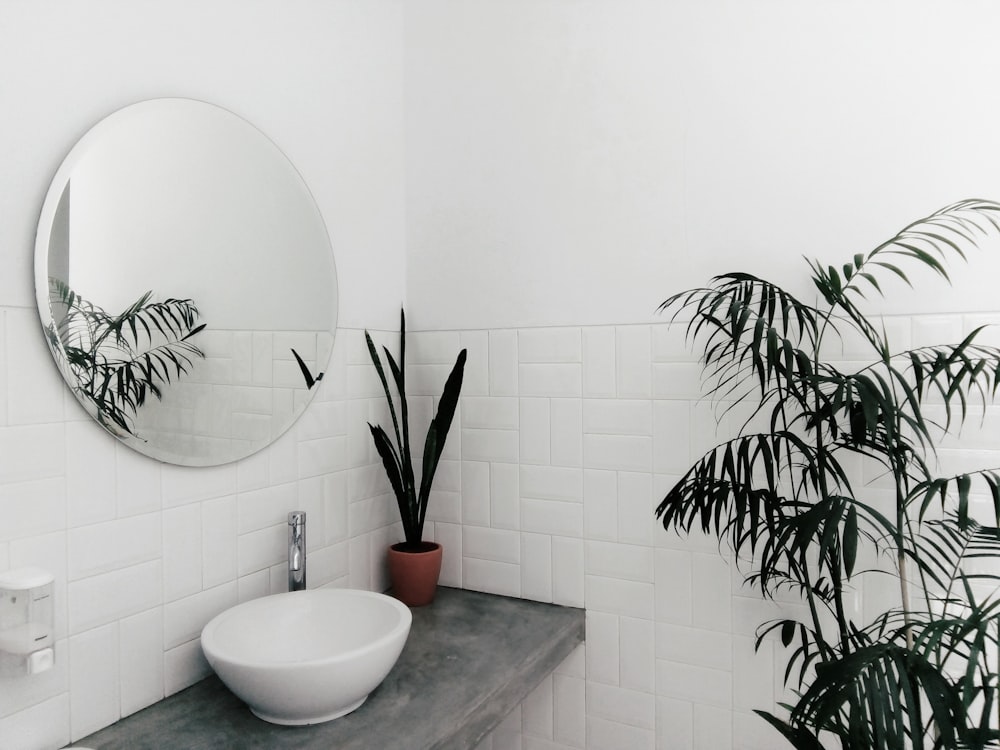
{"points": [[563, 443], [145, 553], [569, 438], [247, 387]]}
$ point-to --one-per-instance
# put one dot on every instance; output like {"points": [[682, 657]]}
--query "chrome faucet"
{"points": [[296, 550]]}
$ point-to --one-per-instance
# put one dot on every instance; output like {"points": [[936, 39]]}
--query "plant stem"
{"points": [[834, 557], [838, 600], [904, 593], [904, 586], [813, 612]]}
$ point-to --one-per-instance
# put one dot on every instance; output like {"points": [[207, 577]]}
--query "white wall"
{"points": [[576, 162], [570, 165], [321, 79], [144, 553], [568, 437], [555, 169]]}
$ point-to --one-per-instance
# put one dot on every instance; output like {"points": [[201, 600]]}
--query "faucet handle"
{"points": [[296, 517]]}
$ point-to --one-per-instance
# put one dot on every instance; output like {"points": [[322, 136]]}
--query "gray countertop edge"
{"points": [[469, 660], [484, 717]]}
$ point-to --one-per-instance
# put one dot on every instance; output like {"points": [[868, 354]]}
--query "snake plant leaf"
{"points": [[399, 376], [428, 469], [393, 470], [403, 435], [373, 353], [397, 373], [402, 339], [307, 376], [440, 425]]}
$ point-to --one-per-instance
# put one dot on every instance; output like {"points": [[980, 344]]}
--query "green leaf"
{"points": [[393, 471], [782, 497], [377, 362], [397, 373], [850, 540], [787, 633], [964, 482], [895, 269], [430, 462], [110, 358], [799, 737], [440, 426]]}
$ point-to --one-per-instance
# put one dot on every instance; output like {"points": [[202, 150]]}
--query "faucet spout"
{"points": [[296, 550]]}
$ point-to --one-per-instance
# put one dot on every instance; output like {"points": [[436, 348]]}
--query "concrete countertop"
{"points": [[469, 660]]}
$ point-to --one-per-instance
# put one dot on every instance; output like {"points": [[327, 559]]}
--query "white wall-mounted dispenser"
{"points": [[27, 616]]}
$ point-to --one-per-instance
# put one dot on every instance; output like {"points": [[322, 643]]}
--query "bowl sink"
{"points": [[307, 656]]}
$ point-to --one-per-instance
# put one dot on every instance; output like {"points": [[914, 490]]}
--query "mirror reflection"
{"points": [[185, 282]]}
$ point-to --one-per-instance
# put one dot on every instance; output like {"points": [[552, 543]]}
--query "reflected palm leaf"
{"points": [[118, 361]]}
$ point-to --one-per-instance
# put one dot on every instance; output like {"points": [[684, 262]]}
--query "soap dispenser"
{"points": [[27, 619]]}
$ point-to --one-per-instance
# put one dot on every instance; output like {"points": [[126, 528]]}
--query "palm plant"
{"points": [[396, 456], [115, 362], [781, 494]]}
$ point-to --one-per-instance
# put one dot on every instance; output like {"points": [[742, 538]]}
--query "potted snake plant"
{"points": [[414, 565]]}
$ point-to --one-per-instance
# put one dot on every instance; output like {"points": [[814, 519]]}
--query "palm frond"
{"points": [[953, 372], [799, 737], [785, 500], [929, 241], [115, 362], [747, 321], [810, 647], [937, 488], [875, 697]]}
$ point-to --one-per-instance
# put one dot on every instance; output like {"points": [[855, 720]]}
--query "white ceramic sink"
{"points": [[307, 656]]}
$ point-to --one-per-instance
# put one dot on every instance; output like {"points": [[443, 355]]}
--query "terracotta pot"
{"points": [[414, 572]]}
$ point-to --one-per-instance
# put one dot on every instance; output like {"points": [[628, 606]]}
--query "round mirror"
{"points": [[185, 282]]}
